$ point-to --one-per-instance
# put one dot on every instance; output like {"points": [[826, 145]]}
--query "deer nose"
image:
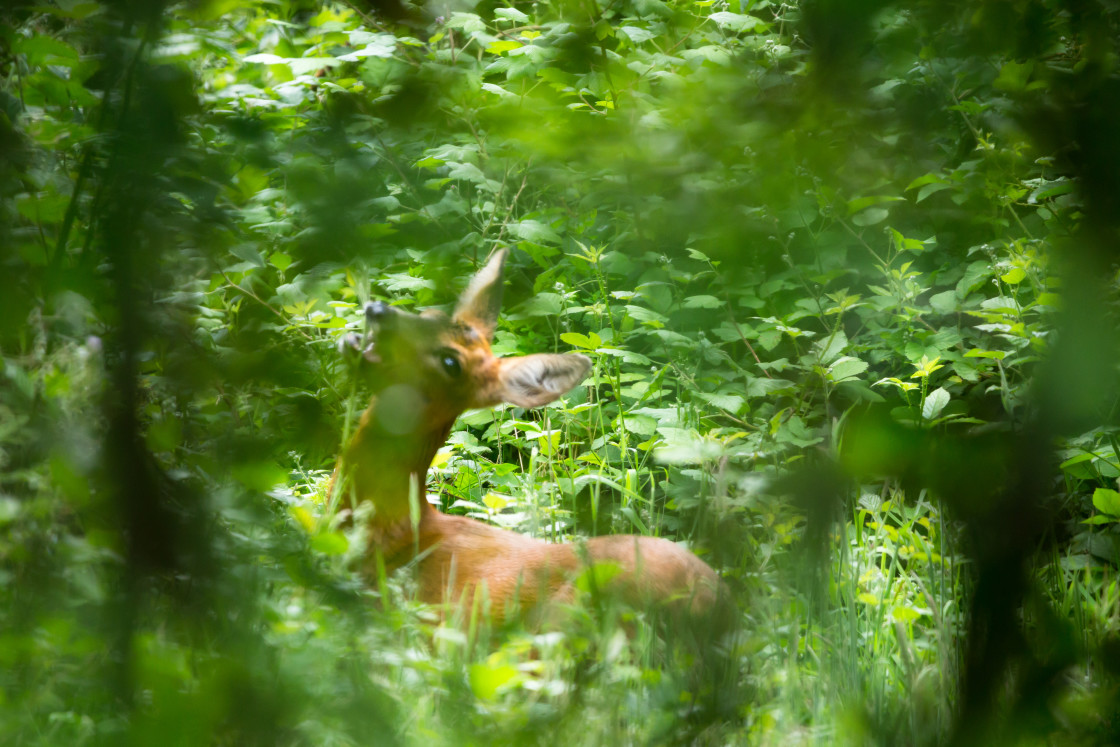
{"points": [[378, 311]]}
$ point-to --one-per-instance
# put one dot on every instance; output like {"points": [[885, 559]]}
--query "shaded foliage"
{"points": [[847, 270]]}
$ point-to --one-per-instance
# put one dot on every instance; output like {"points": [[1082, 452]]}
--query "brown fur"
{"points": [[459, 560]]}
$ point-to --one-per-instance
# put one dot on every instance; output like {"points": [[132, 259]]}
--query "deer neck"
{"points": [[386, 462]]}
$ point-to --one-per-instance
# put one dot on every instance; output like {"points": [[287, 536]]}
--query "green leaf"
{"points": [[737, 21], [945, 302], [845, 368], [935, 403], [975, 275], [583, 342], [761, 387], [466, 21], [502, 45], [1107, 501], [977, 353], [259, 476], [495, 501], [1049, 300], [905, 614], [535, 231], [370, 45], [922, 181], [9, 510], [769, 339], [467, 172], [627, 355], [280, 261], [1078, 459], [861, 203], [330, 543], [486, 680], [298, 65], [730, 402], [712, 53], [511, 14], [598, 576], [1013, 76], [685, 446], [542, 304], [42, 208], [830, 348], [702, 302], [930, 189], [871, 216], [45, 50], [635, 34]]}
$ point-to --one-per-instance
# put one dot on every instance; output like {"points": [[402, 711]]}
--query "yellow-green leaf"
{"points": [[487, 680]]}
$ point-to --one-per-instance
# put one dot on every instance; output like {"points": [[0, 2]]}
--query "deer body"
{"points": [[426, 370]]}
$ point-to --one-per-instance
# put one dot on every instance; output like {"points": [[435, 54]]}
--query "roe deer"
{"points": [[425, 370]]}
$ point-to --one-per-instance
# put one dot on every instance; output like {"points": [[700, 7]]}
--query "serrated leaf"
{"points": [[496, 89], [730, 402], [769, 339], [975, 275], [627, 355], [467, 172], [712, 53], [702, 302], [466, 21], [635, 34], [511, 14], [535, 231], [383, 46], [761, 387], [542, 304], [736, 21], [935, 403], [944, 303], [845, 368], [830, 348]]}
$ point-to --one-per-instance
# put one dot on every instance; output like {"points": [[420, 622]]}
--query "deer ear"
{"points": [[535, 380], [482, 300]]}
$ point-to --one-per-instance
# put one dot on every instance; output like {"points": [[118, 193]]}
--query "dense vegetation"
{"points": [[846, 270]]}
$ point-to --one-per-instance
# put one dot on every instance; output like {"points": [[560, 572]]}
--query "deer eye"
{"points": [[450, 363]]}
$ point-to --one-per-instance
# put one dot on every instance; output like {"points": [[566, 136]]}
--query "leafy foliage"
{"points": [[846, 271]]}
